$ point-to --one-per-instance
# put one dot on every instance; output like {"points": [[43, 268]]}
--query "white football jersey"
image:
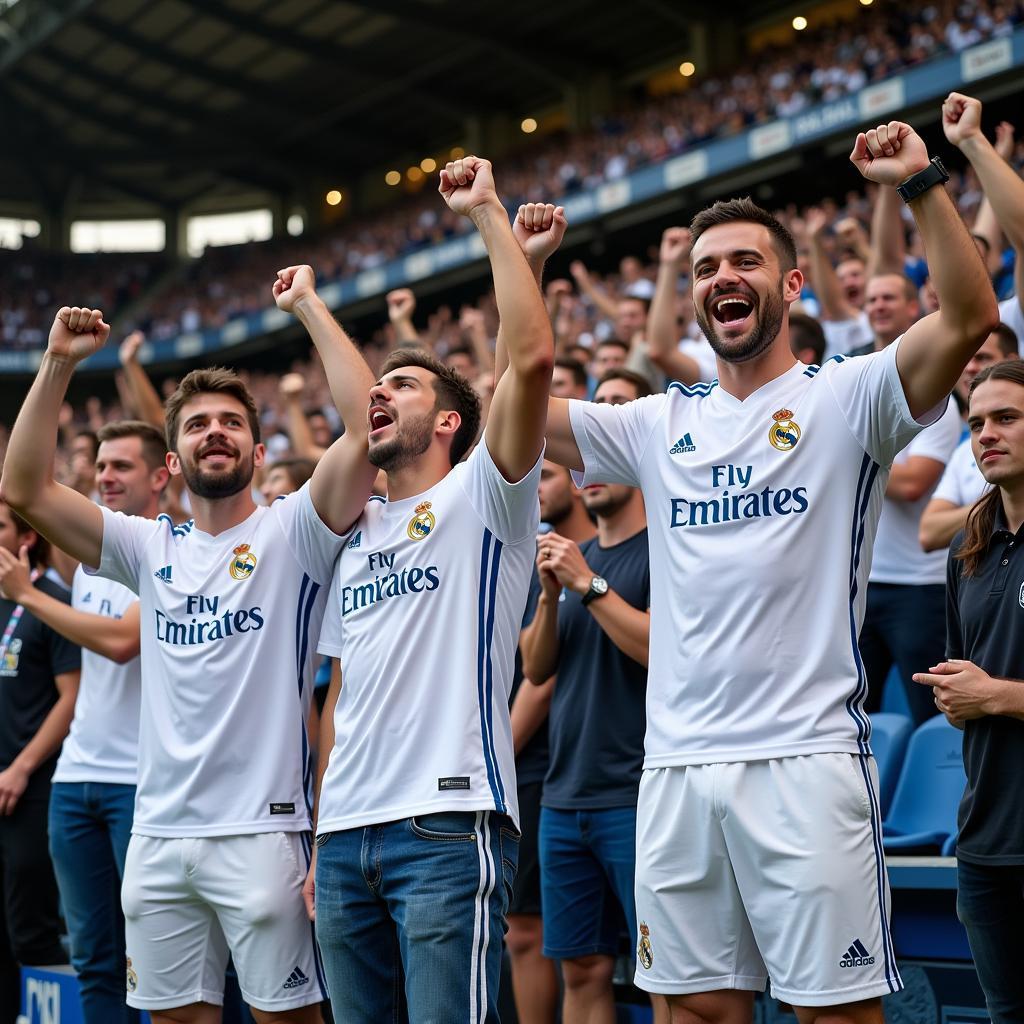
{"points": [[962, 482], [103, 744], [761, 515], [229, 627], [424, 613]]}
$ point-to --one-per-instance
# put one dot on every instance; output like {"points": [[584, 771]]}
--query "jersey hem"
{"points": [[77, 774], [727, 756], [835, 996], [386, 814], [251, 828], [990, 860], [738, 982]]}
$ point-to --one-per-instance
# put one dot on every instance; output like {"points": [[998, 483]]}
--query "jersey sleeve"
{"points": [[612, 439], [939, 440], [870, 396], [511, 511], [124, 539], [331, 630], [315, 545]]}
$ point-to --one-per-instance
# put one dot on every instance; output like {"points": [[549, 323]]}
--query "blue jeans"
{"points": [[90, 824], [410, 917], [587, 869], [990, 903]]}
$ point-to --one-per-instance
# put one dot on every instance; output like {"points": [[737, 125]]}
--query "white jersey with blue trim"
{"points": [[424, 613], [761, 516], [103, 742], [229, 626]]}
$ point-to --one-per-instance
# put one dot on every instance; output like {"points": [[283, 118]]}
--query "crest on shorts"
{"points": [[242, 563], [644, 953], [132, 977], [784, 432], [422, 523]]}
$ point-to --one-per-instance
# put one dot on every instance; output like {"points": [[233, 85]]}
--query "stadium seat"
{"points": [[894, 694], [890, 734], [922, 816], [949, 846]]}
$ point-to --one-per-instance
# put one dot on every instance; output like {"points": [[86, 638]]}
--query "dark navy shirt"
{"points": [[598, 716], [985, 625], [532, 760]]}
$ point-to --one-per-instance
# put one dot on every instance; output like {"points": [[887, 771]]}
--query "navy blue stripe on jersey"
{"points": [[892, 975], [377, 497], [811, 370], [495, 570], [698, 390], [835, 359], [304, 611], [854, 703], [321, 977], [483, 661]]}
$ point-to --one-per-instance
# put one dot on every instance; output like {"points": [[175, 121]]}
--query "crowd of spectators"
{"points": [[822, 64]]}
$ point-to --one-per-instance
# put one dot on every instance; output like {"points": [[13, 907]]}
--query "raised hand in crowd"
{"points": [[1005, 140], [401, 303], [539, 229]]}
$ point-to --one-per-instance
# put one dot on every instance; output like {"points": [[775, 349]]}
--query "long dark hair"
{"points": [[982, 517]]}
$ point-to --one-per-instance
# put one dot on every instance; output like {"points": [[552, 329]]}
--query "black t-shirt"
{"points": [[598, 715], [35, 655], [532, 761], [985, 625]]}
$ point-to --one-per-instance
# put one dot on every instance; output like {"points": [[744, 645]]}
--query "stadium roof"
{"points": [[165, 103]]}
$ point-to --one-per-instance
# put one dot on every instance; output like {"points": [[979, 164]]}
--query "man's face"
{"points": [[124, 480], [890, 310], [276, 483], [739, 289], [82, 459], [631, 318], [216, 452], [563, 384], [9, 536], [987, 355], [615, 392], [607, 357], [462, 363], [402, 417], [852, 279], [557, 493], [605, 499], [996, 420], [321, 429]]}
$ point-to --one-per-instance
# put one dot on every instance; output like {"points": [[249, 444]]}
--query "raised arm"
{"points": [[401, 304], [143, 396], [824, 279], [291, 390], [66, 518], [343, 478], [600, 298], [515, 425], [935, 350], [662, 322], [888, 243]]}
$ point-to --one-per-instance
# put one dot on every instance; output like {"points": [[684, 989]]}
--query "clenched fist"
{"points": [[77, 333], [890, 153], [467, 184]]}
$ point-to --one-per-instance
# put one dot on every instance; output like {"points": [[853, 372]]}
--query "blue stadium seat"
{"points": [[949, 846], [890, 734], [923, 812]]}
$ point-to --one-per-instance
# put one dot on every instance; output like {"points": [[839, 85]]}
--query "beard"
{"points": [[558, 510], [223, 484], [411, 440], [607, 502], [766, 330]]}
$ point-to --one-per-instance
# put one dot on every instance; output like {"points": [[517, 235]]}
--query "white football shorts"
{"points": [[188, 903], [760, 870]]}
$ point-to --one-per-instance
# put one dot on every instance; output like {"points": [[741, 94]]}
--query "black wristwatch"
{"points": [[598, 588], [934, 174]]}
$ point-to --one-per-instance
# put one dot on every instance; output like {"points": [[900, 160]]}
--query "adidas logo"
{"points": [[356, 540], [164, 574], [296, 979], [683, 446], [856, 956]]}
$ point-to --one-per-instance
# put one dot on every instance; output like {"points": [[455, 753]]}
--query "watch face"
{"points": [[599, 585]]}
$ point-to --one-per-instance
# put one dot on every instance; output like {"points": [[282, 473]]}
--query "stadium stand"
{"points": [[890, 735]]}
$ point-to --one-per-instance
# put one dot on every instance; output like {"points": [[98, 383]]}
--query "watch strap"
{"points": [[917, 184]]}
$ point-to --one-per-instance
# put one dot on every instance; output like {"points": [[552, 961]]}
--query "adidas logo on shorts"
{"points": [[296, 979], [856, 956]]}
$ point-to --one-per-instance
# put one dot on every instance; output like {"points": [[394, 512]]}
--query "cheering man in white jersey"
{"points": [[230, 605], [758, 834], [417, 838]]}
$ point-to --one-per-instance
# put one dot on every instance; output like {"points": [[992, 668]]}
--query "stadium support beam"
{"points": [[38, 22]]}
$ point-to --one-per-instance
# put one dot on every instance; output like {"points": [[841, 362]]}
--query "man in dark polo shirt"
{"points": [[39, 672], [980, 690], [591, 627]]}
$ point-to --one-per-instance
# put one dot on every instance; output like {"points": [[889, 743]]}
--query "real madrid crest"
{"points": [[784, 432], [422, 523], [643, 951], [242, 563], [133, 978]]}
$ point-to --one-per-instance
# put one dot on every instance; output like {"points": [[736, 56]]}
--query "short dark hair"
{"points": [[154, 446], [575, 367], [727, 211], [1006, 338], [39, 552], [91, 435], [806, 332], [617, 342], [638, 380], [646, 303], [215, 380], [298, 470], [451, 390], [909, 288]]}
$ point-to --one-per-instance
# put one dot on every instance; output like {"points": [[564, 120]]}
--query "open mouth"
{"points": [[731, 310], [217, 454], [379, 419]]}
